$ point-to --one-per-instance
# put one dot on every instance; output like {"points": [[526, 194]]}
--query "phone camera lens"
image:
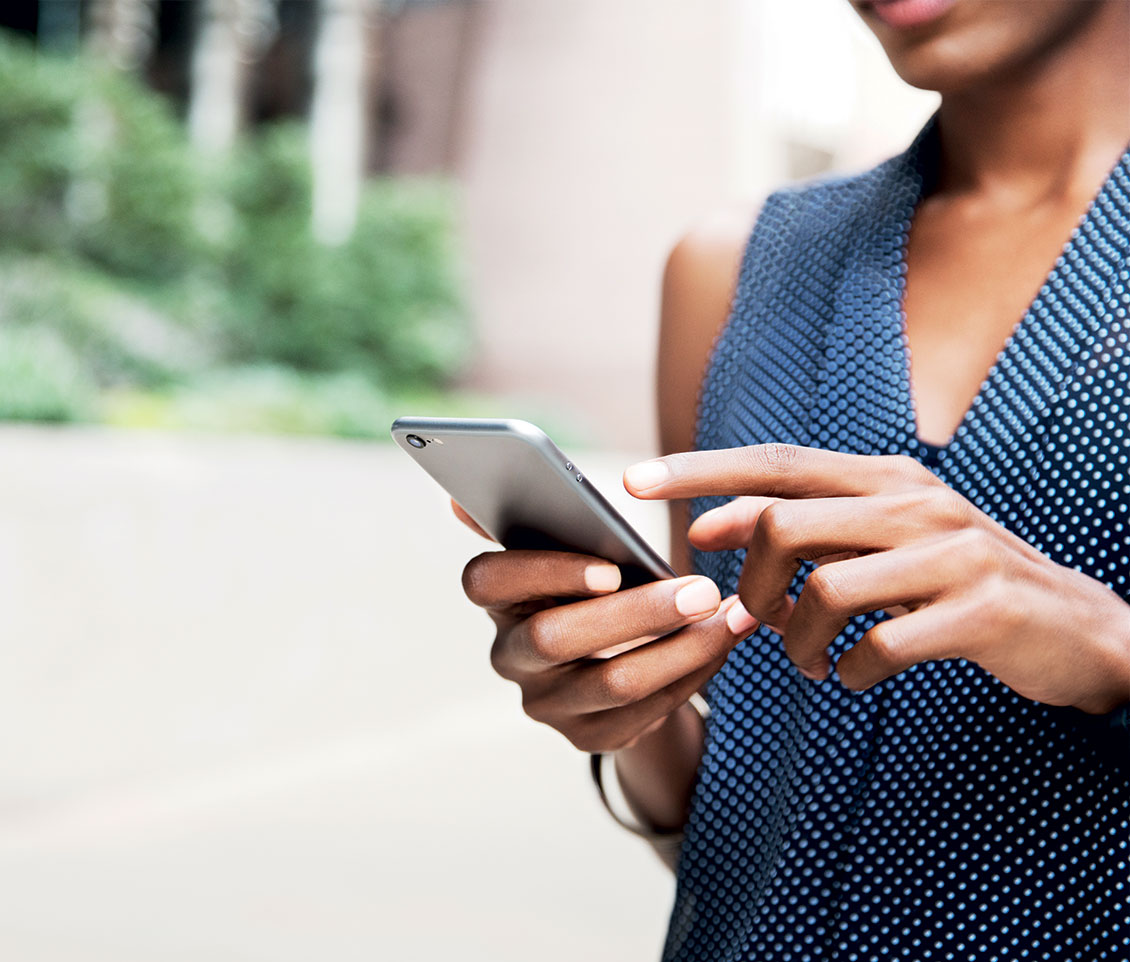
{"points": [[415, 440]]}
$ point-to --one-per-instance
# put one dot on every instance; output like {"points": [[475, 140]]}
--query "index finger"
{"points": [[773, 470]]}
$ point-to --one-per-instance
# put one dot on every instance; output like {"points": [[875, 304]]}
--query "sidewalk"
{"points": [[249, 715]]}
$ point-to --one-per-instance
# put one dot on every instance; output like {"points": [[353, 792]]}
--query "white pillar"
{"points": [[232, 34], [337, 118], [122, 31]]}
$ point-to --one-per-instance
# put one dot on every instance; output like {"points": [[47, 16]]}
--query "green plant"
{"points": [[41, 379], [129, 265], [387, 302], [92, 163], [121, 335]]}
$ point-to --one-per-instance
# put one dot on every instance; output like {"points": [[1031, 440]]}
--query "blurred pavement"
{"points": [[248, 715]]}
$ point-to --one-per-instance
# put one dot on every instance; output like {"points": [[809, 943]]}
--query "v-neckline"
{"points": [[923, 167]]}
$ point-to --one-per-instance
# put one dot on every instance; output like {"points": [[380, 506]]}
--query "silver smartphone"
{"points": [[524, 492]]}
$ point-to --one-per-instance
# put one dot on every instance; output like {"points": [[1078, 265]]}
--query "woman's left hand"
{"points": [[893, 537]]}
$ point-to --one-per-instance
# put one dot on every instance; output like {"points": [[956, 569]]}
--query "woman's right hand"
{"points": [[603, 667]]}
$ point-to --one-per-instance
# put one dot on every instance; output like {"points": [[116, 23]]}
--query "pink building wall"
{"points": [[595, 132]]}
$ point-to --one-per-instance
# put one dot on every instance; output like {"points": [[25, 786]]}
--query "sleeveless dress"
{"points": [[938, 816]]}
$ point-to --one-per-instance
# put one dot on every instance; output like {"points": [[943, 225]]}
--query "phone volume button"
{"points": [[568, 465], [580, 478]]}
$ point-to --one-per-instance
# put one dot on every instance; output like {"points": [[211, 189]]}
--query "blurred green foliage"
{"points": [[41, 379], [386, 301], [261, 398], [178, 292]]}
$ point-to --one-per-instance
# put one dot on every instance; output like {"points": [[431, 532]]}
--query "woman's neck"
{"points": [[1051, 128]]}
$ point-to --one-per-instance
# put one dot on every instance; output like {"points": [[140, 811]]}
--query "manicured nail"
{"points": [[698, 597], [602, 577], [739, 621], [646, 474]]}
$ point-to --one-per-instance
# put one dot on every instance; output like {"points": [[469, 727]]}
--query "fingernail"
{"points": [[698, 597], [646, 474], [739, 621], [602, 577]]}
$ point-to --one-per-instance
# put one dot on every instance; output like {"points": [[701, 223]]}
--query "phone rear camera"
{"points": [[415, 440]]}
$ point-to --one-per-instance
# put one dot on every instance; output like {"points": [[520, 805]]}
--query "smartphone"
{"points": [[525, 493]]}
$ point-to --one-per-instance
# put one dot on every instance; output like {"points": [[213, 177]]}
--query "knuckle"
{"points": [[852, 678], [502, 659], [883, 640], [976, 549], [949, 506], [476, 575], [767, 608], [1005, 606], [534, 706], [775, 527], [619, 683], [588, 738], [775, 458], [920, 504], [498, 657], [828, 588], [624, 740], [541, 636], [905, 468], [1094, 704], [793, 651]]}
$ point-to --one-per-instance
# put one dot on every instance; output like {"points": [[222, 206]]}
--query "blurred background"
{"points": [[247, 713]]}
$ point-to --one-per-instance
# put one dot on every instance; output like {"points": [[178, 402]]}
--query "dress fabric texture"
{"points": [[938, 816]]}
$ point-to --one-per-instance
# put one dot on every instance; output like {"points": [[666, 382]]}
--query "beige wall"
{"points": [[598, 130]]}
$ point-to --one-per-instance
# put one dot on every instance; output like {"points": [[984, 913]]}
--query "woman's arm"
{"points": [[657, 773]]}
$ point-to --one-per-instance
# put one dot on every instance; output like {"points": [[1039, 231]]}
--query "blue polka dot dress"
{"points": [[938, 816]]}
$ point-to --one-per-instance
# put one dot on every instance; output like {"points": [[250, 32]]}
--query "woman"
{"points": [[918, 759]]}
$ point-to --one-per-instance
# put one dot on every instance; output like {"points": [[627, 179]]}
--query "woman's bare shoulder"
{"points": [[698, 288]]}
